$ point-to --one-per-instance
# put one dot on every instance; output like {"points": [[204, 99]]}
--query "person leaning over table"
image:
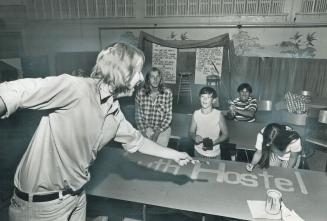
{"points": [[154, 104], [277, 145], [85, 116], [244, 107]]}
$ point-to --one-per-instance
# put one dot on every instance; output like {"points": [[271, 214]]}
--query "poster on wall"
{"points": [[165, 59], [208, 62]]}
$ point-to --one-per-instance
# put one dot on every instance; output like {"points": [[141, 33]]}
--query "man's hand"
{"points": [[183, 158], [149, 132]]}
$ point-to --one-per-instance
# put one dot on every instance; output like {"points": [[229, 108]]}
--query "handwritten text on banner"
{"points": [[206, 60], [165, 59]]}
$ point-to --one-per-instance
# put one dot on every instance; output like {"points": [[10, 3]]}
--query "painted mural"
{"points": [[297, 46], [256, 42]]}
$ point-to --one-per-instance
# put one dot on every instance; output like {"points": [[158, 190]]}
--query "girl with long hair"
{"points": [[276, 145]]}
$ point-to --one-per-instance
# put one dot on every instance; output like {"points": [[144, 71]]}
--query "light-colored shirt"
{"points": [[68, 139], [207, 125], [294, 146]]}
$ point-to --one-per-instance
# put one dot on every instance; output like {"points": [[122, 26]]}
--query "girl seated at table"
{"points": [[277, 145]]}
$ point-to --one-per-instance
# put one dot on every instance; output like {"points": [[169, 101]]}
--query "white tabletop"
{"points": [[218, 188]]}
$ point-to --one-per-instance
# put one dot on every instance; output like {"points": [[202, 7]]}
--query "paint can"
{"points": [[273, 201]]}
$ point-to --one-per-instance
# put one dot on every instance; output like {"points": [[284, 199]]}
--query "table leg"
{"points": [[144, 212]]}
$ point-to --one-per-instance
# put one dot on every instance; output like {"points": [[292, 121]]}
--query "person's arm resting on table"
{"points": [[247, 113]]}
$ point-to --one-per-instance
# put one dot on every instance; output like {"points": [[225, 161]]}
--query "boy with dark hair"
{"points": [[208, 128], [244, 107]]}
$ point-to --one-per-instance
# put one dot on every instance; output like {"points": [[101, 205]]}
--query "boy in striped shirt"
{"points": [[244, 107]]}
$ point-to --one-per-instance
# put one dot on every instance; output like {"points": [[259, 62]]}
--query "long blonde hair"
{"points": [[114, 64]]}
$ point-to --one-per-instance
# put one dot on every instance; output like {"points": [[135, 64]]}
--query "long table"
{"points": [[244, 134], [214, 187]]}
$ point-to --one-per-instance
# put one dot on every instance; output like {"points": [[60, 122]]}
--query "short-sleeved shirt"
{"points": [[156, 114], [83, 118], [249, 105], [294, 146], [207, 125]]}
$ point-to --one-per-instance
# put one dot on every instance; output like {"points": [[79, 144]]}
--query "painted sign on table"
{"points": [[207, 186], [165, 59], [208, 62]]}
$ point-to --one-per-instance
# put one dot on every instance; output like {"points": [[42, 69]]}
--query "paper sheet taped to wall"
{"points": [[208, 62], [165, 59]]}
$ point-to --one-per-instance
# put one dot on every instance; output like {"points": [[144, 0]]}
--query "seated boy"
{"points": [[208, 128], [244, 107]]}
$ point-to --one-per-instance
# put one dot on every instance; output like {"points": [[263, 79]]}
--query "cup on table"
{"points": [[273, 201]]}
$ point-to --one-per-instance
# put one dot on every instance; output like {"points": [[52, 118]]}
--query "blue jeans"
{"points": [[72, 208]]}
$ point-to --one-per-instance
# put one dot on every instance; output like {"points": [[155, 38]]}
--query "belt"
{"points": [[46, 197]]}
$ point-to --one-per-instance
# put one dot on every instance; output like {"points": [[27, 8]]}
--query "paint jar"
{"points": [[273, 201]]}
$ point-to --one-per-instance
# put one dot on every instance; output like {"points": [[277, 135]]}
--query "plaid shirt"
{"points": [[155, 114], [295, 103]]}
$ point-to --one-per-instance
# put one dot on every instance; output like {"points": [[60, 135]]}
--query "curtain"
{"points": [[271, 78], [186, 60]]}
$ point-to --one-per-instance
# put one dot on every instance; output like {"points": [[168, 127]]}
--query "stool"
{"points": [[184, 85], [213, 81]]}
